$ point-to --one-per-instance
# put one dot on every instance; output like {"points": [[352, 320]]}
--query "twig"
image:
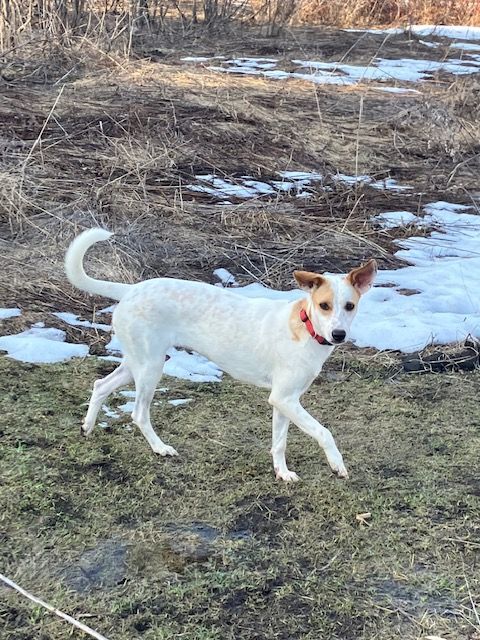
{"points": [[47, 120], [57, 612]]}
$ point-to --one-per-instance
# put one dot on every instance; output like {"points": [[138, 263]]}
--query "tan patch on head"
{"points": [[295, 323], [323, 294], [308, 280]]}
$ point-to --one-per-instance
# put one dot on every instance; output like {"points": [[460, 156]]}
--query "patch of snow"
{"points": [[396, 90], [109, 412], [446, 31], [465, 46], [191, 366], [253, 63], [128, 393], [111, 358], [223, 188], [72, 319], [403, 69], [336, 73], [300, 176], [445, 268], [195, 59], [443, 31], [188, 366], [261, 187], [40, 345], [277, 74], [393, 219], [128, 407], [180, 401], [385, 183], [389, 184], [225, 277], [9, 313], [114, 345], [109, 309]]}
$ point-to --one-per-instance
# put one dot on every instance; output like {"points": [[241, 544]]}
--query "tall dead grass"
{"points": [[351, 13]]}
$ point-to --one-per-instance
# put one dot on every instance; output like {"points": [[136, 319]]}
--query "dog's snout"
{"points": [[338, 335]]}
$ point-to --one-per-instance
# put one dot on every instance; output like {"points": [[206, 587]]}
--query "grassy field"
{"points": [[209, 546]]}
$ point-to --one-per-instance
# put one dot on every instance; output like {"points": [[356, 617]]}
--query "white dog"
{"points": [[274, 344]]}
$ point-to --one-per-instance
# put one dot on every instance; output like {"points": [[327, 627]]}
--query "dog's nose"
{"points": [[338, 335]]}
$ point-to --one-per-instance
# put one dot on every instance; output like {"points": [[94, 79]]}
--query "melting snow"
{"points": [[380, 69], [298, 183], [109, 309], [109, 413], [41, 345], [403, 69], [180, 401], [393, 219], [225, 277], [182, 364], [128, 407], [385, 183], [9, 313], [443, 31], [72, 319], [127, 393]]}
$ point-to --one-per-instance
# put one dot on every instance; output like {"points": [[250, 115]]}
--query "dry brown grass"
{"points": [[116, 143], [355, 13]]}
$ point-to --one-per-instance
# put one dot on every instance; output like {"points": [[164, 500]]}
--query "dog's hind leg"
{"points": [[279, 444], [146, 378], [101, 390]]}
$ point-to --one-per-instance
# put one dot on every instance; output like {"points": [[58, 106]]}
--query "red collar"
{"points": [[308, 324]]}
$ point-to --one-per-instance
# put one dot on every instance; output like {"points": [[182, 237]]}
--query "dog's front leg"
{"points": [[291, 408], [279, 444]]}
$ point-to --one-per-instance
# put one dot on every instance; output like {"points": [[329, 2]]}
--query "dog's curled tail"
{"points": [[76, 273]]}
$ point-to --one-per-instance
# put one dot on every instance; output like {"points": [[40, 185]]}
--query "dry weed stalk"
{"points": [[76, 623]]}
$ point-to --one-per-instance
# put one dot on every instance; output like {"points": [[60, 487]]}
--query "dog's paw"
{"points": [[165, 450], [85, 431], [340, 471], [286, 476]]}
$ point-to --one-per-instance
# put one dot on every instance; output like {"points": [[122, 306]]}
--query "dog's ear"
{"points": [[362, 277], [308, 280]]}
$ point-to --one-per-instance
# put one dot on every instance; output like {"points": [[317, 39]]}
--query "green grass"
{"points": [[103, 527]]}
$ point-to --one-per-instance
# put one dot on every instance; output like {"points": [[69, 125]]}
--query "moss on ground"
{"points": [[209, 546]]}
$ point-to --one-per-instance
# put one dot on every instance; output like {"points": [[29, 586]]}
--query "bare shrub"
{"points": [[274, 14], [111, 21]]}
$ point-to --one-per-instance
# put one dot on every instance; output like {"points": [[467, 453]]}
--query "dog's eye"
{"points": [[325, 306], [349, 306]]}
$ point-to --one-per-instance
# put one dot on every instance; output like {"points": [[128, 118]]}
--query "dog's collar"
{"points": [[309, 326]]}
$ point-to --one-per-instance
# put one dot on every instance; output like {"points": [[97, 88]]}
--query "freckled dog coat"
{"points": [[275, 344]]}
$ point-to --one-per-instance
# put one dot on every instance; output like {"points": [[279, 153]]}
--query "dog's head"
{"points": [[333, 300]]}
